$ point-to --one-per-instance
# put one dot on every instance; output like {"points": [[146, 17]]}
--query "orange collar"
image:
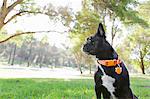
{"points": [[109, 63]]}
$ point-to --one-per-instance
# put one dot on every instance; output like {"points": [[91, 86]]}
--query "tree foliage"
{"points": [[95, 11], [11, 9], [140, 47], [124, 9], [137, 43]]}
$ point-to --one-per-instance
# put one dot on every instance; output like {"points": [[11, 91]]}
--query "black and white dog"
{"points": [[111, 78]]}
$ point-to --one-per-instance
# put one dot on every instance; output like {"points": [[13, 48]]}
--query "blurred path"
{"points": [[64, 73], [30, 72]]}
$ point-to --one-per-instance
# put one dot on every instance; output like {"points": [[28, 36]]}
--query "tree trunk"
{"points": [[112, 32], [80, 69], [10, 54], [112, 40], [41, 61], [35, 59], [28, 60], [14, 53], [1, 24], [142, 66], [90, 69], [142, 63], [3, 52], [56, 62], [78, 58], [69, 63], [63, 61]]}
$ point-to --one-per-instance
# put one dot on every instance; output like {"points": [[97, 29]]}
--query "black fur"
{"points": [[98, 46]]}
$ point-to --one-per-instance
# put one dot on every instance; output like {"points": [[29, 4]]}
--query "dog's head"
{"points": [[97, 44]]}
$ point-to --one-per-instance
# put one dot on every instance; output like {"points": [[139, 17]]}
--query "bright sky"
{"points": [[42, 23]]}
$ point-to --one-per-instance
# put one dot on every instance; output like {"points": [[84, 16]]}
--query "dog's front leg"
{"points": [[98, 83], [98, 92]]}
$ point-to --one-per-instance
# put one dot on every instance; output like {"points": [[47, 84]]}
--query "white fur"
{"points": [[107, 82]]}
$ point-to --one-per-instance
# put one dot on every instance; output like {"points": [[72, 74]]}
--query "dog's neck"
{"points": [[107, 55]]}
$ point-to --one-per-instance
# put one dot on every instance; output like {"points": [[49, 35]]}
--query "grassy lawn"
{"points": [[61, 89]]}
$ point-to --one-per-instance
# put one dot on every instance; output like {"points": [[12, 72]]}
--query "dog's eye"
{"points": [[88, 40]]}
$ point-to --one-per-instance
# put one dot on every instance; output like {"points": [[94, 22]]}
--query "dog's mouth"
{"points": [[89, 52], [92, 52]]}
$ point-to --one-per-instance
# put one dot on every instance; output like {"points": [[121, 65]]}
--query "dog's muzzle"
{"points": [[84, 49]]}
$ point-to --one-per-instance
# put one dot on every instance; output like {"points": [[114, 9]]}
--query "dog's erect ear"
{"points": [[100, 31]]}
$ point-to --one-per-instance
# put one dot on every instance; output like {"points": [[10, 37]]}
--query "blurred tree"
{"points": [[42, 55], [87, 19], [18, 7], [137, 43], [3, 34], [11, 9], [89, 62], [79, 60], [85, 22], [122, 11], [16, 42], [29, 39], [140, 44], [142, 38]]}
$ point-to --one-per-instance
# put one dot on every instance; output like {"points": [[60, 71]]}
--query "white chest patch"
{"points": [[107, 82]]}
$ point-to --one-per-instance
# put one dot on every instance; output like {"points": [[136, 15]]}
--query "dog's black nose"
{"points": [[84, 48]]}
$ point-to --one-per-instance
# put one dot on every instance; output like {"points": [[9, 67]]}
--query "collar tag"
{"points": [[118, 70]]}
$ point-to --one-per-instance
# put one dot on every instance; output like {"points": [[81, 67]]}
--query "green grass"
{"points": [[61, 89], [141, 87]]}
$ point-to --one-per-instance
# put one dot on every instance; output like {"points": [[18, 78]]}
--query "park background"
{"points": [[41, 46]]}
